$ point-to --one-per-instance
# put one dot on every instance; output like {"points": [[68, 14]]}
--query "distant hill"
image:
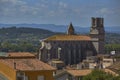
{"points": [[62, 28], [15, 35], [112, 38]]}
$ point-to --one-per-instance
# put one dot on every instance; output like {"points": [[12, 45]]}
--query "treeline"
{"points": [[112, 47], [22, 39], [15, 35], [112, 38], [20, 47], [100, 75], [25, 46]]}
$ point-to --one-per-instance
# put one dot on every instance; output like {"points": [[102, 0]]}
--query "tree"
{"points": [[112, 47], [100, 75]]}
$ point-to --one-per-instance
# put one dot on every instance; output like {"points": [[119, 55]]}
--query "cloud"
{"points": [[62, 4], [20, 9], [11, 2], [10, 7], [105, 11], [55, 10], [44, 8]]}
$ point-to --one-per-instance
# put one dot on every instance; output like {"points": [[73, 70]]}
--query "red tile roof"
{"points": [[68, 38], [79, 72], [111, 72], [84, 72], [20, 54], [27, 64]]}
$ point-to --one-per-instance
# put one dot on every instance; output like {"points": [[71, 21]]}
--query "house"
{"points": [[89, 63], [107, 62], [57, 63], [115, 67], [77, 74], [30, 69], [72, 74], [99, 61], [25, 69]]}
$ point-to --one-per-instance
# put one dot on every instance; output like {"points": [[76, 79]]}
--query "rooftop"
{"points": [[20, 54], [26, 64], [111, 72], [84, 72], [68, 38], [115, 67], [79, 72]]}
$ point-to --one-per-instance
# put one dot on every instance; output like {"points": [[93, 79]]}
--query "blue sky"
{"points": [[60, 12]]}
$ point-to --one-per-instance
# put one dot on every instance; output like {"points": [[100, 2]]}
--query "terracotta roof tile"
{"points": [[115, 67], [111, 72], [68, 37], [20, 54], [79, 72], [27, 64], [88, 71]]}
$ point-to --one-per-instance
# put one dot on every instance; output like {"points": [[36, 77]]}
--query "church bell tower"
{"points": [[97, 33], [71, 30]]}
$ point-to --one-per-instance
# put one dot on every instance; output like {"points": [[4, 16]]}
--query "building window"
{"points": [[79, 78], [21, 76], [54, 73], [40, 78], [70, 77]]}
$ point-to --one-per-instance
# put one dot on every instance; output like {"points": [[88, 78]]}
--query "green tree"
{"points": [[100, 75], [20, 47], [112, 47]]}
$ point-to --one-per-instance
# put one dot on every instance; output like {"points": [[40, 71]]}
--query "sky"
{"points": [[59, 12]]}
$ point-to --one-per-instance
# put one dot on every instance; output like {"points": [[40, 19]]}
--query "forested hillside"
{"points": [[22, 39], [112, 38], [14, 34]]}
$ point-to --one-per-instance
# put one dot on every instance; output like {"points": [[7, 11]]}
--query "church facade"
{"points": [[73, 48]]}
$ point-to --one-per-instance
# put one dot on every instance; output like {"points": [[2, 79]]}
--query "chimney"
{"points": [[14, 65]]}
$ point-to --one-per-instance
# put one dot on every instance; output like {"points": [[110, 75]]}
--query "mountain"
{"points": [[62, 28], [113, 29], [51, 27], [21, 34]]}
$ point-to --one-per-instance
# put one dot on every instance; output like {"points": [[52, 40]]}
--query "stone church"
{"points": [[72, 48]]}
